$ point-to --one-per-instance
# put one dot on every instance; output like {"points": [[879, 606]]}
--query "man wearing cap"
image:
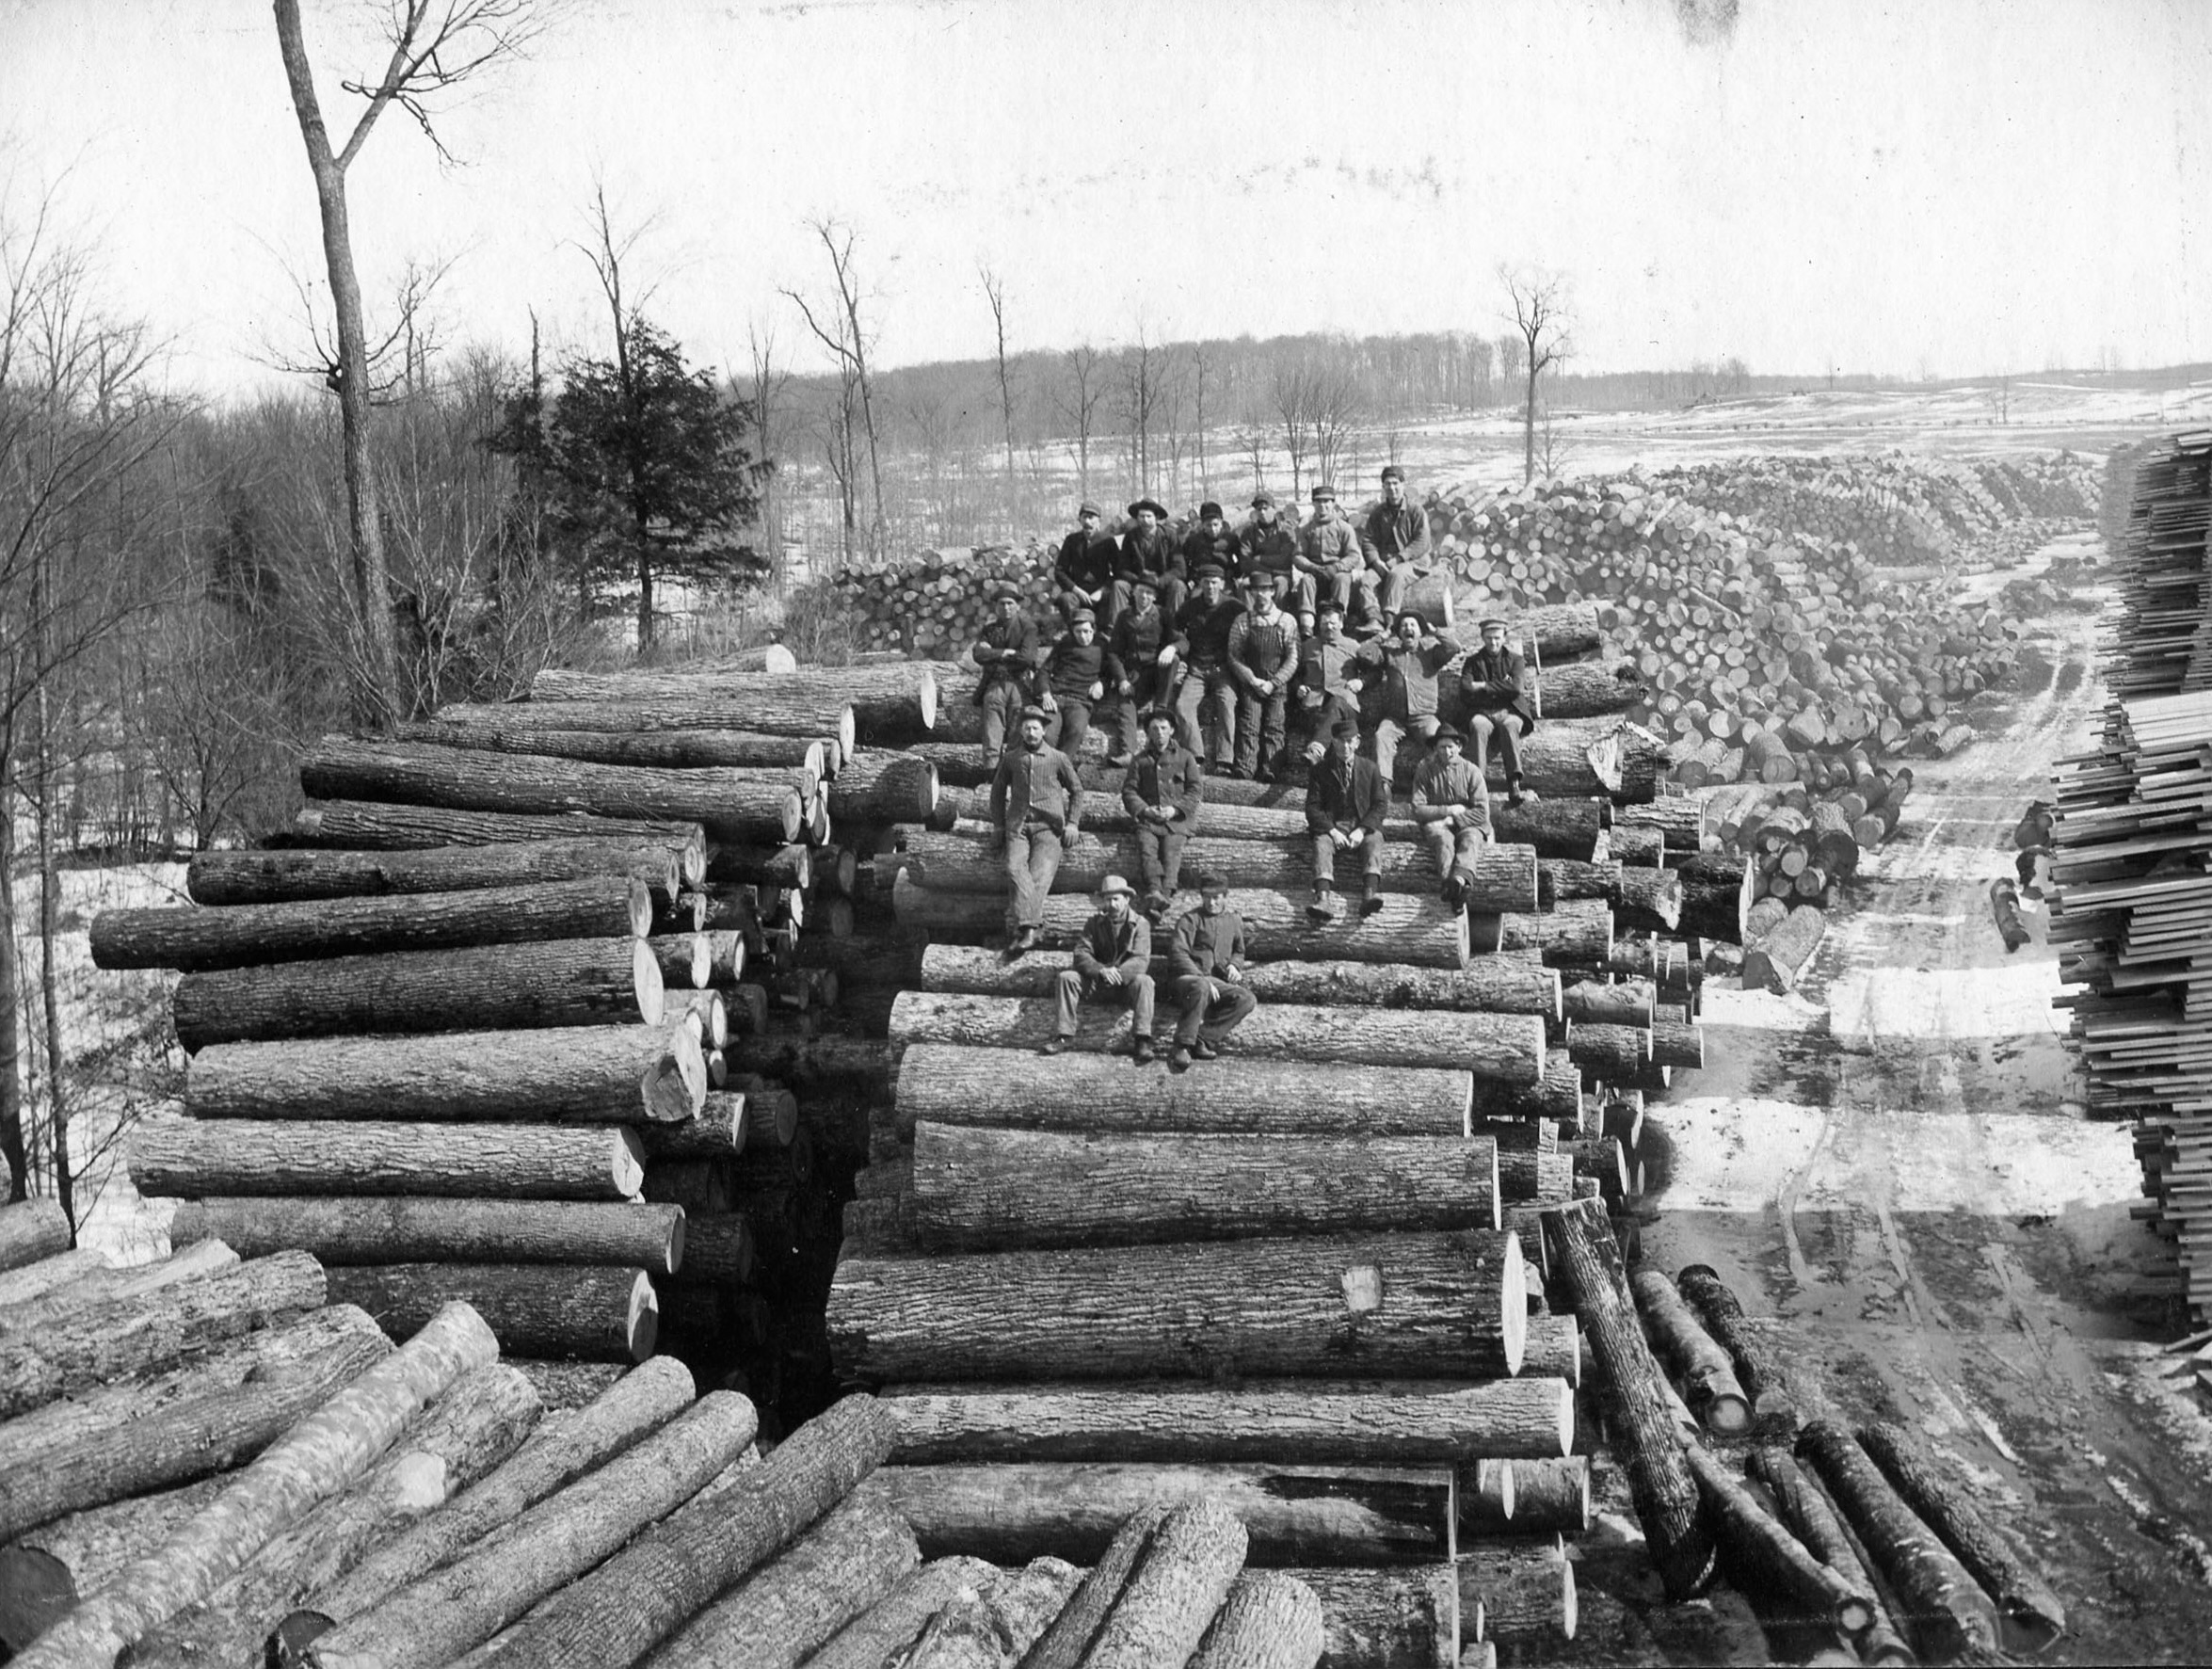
{"points": [[1141, 662], [1494, 685], [1270, 547], [1008, 653], [1264, 657], [1206, 698], [1207, 958], [1329, 556], [1394, 542], [1329, 675], [1212, 540], [1346, 804], [1452, 807], [1148, 548], [1160, 794], [1037, 807], [1113, 964], [1083, 575], [1075, 682], [1402, 677]]}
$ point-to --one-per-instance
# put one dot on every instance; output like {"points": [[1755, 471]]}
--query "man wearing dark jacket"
{"points": [[1207, 957], [1075, 682], [1212, 540], [1346, 803], [1162, 794], [1148, 548], [1394, 542], [1263, 658], [1141, 662], [1083, 576], [1206, 697], [1038, 807], [1330, 676], [1494, 685], [1113, 964], [1008, 653], [1270, 547], [1402, 677]]}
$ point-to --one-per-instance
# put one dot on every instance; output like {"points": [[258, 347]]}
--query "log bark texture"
{"points": [[572, 1074], [1771, 1405], [1777, 961], [1269, 1621], [879, 1634], [32, 1229], [1180, 1582], [1068, 1637], [1523, 1592], [1627, 1004], [894, 703], [48, 1571], [1811, 1516], [1714, 896], [825, 1063], [1411, 1306], [28, 1283], [383, 827], [107, 1284], [565, 982], [1765, 1557], [1578, 933], [978, 1188], [1659, 1480], [693, 707], [601, 1315], [1502, 1047], [250, 934], [195, 1158], [879, 787], [520, 729], [1402, 1617], [283, 875], [1570, 829], [1414, 1424], [1557, 1094], [1708, 1376], [995, 1623]]}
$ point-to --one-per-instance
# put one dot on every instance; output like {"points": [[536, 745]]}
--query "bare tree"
{"points": [[1144, 369], [770, 384], [994, 292], [1295, 399], [848, 344], [1540, 322], [1200, 365], [1335, 410], [1079, 405], [436, 45]]}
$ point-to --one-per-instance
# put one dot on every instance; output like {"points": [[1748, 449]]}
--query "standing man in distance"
{"points": [[1141, 663], [1161, 792], [1205, 699], [1263, 658], [1207, 957], [1452, 807], [1075, 682], [1270, 547], [1082, 574], [1329, 556], [1403, 670], [1394, 542], [1346, 805], [1494, 684], [1037, 807], [1113, 964], [1007, 652], [1148, 548]]}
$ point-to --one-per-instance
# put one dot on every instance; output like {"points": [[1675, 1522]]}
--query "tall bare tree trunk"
{"points": [[11, 1133], [57, 1102], [1529, 428]]}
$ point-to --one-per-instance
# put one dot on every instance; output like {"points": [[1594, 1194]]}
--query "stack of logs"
{"points": [[2131, 907]]}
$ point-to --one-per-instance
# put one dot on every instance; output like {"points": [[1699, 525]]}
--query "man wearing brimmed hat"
{"points": [[1113, 964], [1075, 682], [1206, 696], [1329, 556], [1394, 542], [1037, 807], [1008, 653], [1452, 807], [1494, 686], [1270, 547], [1142, 661], [1082, 574], [1403, 673], [1211, 539], [1160, 794], [1263, 658], [1149, 547], [1346, 804], [1207, 957]]}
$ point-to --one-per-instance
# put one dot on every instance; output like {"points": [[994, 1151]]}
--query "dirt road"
{"points": [[1895, 1163]]}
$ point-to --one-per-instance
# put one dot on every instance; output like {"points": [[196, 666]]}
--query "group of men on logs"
{"points": [[1213, 681]]}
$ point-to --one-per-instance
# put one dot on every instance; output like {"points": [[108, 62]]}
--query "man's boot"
{"points": [[1141, 1052], [1371, 898], [1323, 907]]}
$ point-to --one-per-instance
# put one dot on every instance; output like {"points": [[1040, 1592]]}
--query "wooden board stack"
{"points": [[2132, 906]]}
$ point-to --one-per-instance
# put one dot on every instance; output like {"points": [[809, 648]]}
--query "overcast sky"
{"points": [[1941, 185]]}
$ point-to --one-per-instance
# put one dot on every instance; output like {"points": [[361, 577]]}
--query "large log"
{"points": [[558, 1453], [1525, 1175], [1523, 1590], [1609, 1052], [1716, 891], [887, 1629], [950, 1084], [776, 1618], [565, 982], [671, 1572], [672, 711], [474, 1427], [1660, 1480], [1757, 1372], [1410, 1305], [1707, 1373], [1812, 1518], [1412, 1423], [721, 1126], [1678, 1043], [1490, 987], [1941, 1606], [878, 787], [569, 1074], [107, 1284], [1186, 1571], [225, 1406], [1410, 929], [1777, 961], [827, 1064], [284, 874], [1589, 689], [391, 827], [1628, 1003], [1526, 1496], [978, 1188], [1572, 830], [31, 1229], [1764, 1556], [1501, 1048], [1064, 1641], [1271, 1620], [194, 1158], [501, 730], [1578, 933], [246, 934], [45, 1574], [1645, 899], [597, 1313], [729, 802], [1391, 1617], [897, 702], [2029, 1615], [106, 1341], [314, 1460], [369, 1230], [995, 1621], [1557, 1094], [29, 1282]]}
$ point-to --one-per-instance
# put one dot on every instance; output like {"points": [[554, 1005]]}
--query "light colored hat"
{"points": [[1112, 884]]}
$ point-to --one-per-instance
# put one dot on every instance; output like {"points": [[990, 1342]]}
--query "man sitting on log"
{"points": [[1394, 542], [1141, 663], [1263, 655], [1346, 804], [1405, 669], [1113, 964], [1270, 547], [1329, 556], [1008, 654], [1083, 576], [1494, 684], [1451, 804], [1206, 698], [1075, 682], [1212, 540], [1037, 807], [1161, 792], [1148, 548], [1207, 957], [1329, 680]]}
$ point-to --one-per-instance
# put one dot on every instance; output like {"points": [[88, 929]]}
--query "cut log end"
{"points": [[1512, 1298], [926, 699], [1727, 1415], [643, 1322], [647, 980], [641, 909]]}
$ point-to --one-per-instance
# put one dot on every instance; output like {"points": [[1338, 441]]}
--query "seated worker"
{"points": [[1075, 682], [1162, 794], [1404, 667], [1263, 659], [1346, 805], [1494, 685], [1212, 540], [1082, 574], [1036, 808], [1329, 675], [1329, 556], [1451, 803], [1270, 547], [1206, 696], [1207, 957], [1141, 663], [1007, 652], [1113, 964], [1148, 548], [1394, 542]]}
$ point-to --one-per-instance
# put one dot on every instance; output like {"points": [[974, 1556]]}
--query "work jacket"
{"points": [[1134, 656], [1351, 796], [1126, 945], [1436, 785], [1224, 549], [1409, 677], [1072, 667], [1496, 683], [1389, 536], [1159, 556], [1268, 549], [1170, 781], [1204, 630], [1039, 787], [1085, 562], [1019, 634], [1331, 546], [1206, 945]]}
